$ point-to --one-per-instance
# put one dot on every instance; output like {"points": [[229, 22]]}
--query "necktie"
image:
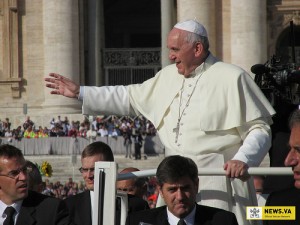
{"points": [[181, 222], [9, 211]]}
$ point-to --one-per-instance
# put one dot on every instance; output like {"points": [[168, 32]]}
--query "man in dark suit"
{"points": [[290, 196], [26, 207], [178, 185], [80, 205]]}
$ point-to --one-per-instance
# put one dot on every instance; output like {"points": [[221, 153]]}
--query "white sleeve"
{"points": [[256, 144], [106, 100]]}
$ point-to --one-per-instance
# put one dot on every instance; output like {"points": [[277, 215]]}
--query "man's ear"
{"points": [[160, 191], [197, 183], [198, 49]]}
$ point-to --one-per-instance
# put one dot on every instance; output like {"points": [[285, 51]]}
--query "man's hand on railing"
{"points": [[237, 169]]}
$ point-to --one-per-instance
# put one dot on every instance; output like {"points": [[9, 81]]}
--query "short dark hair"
{"points": [[175, 167], [10, 151], [294, 119], [98, 148]]}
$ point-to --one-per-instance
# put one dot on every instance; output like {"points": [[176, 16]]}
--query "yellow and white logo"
{"points": [[271, 213]]}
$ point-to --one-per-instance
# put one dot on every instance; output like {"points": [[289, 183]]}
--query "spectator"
{"points": [[114, 133], [7, 124], [41, 132], [81, 205], [127, 141], [83, 129], [138, 143], [29, 132], [73, 190], [136, 190], [58, 121], [27, 123], [289, 196], [66, 126], [8, 133], [28, 207], [103, 132], [91, 134], [52, 123], [73, 132], [18, 133]]}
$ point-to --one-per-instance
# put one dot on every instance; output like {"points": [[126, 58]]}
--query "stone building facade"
{"points": [[69, 37]]}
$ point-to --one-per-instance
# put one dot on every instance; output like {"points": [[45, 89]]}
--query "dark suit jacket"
{"points": [[287, 197], [136, 204], [80, 208], [38, 209], [204, 216]]}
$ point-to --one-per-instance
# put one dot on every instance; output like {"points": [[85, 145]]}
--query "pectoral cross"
{"points": [[176, 130]]}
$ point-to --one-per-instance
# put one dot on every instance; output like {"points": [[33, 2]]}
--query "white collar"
{"points": [[17, 205], [209, 61], [189, 219]]}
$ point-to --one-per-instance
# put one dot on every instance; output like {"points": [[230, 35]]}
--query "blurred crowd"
{"points": [[111, 126]]}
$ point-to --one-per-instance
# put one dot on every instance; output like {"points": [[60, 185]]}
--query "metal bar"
{"points": [[272, 171], [101, 196]]}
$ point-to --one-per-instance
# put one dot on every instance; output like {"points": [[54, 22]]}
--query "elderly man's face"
{"points": [[293, 158], [127, 186], [184, 54]]}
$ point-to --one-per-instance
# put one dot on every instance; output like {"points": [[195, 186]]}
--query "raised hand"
{"points": [[62, 85]]}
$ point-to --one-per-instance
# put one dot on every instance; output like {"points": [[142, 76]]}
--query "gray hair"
{"points": [[295, 119], [193, 38]]}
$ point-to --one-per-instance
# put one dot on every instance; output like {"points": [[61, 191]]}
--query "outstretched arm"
{"points": [[62, 86]]}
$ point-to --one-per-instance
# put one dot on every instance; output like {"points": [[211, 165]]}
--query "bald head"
{"points": [[134, 186]]}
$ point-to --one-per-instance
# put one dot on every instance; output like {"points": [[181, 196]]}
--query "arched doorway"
{"points": [[284, 45]]}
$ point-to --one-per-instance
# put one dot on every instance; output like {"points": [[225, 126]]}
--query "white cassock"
{"points": [[218, 106]]}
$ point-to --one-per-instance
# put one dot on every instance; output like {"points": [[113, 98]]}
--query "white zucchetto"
{"points": [[192, 26]]}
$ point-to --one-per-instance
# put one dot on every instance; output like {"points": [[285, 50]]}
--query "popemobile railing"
{"points": [[106, 194]]}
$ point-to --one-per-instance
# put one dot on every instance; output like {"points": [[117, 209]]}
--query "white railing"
{"points": [[274, 171]]}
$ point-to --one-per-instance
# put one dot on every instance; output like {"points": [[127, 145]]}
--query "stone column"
{"points": [[61, 50], [95, 42], [204, 12], [10, 47], [248, 33], [167, 22]]}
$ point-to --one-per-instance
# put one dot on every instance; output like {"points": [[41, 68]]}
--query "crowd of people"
{"points": [[111, 126]]}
